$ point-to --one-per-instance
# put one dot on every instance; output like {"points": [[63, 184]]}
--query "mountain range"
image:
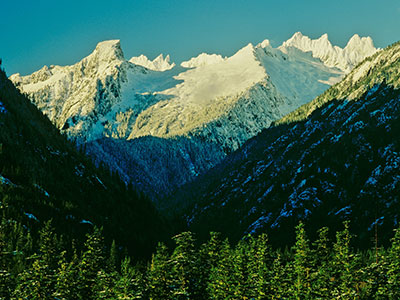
{"points": [[138, 115], [335, 158], [73, 230]]}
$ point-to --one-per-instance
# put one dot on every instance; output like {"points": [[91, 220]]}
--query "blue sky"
{"points": [[35, 33]]}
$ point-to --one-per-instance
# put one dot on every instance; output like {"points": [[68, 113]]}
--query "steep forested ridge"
{"points": [[333, 159], [43, 176]]}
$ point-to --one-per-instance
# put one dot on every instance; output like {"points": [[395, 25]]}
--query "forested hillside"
{"points": [[43, 177], [335, 158]]}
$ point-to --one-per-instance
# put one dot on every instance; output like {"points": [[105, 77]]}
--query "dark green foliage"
{"points": [[302, 265], [184, 268], [322, 170], [158, 273], [394, 267], [221, 279], [334, 158], [44, 176], [93, 261], [214, 270]]}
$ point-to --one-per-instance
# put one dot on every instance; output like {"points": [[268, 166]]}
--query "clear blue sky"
{"points": [[39, 32]]}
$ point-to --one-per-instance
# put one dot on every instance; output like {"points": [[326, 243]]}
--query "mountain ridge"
{"points": [[332, 159], [226, 102]]}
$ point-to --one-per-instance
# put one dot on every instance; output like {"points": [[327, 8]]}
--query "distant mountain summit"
{"points": [[202, 60], [158, 64], [215, 101], [333, 56]]}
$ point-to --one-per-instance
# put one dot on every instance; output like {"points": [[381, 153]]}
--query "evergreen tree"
{"points": [[184, 269], [67, 278], [239, 256], [208, 258], [394, 267], [372, 283], [260, 261], [343, 265], [91, 263], [38, 281], [124, 287], [280, 279], [48, 246], [139, 284], [105, 285], [302, 265], [6, 283], [113, 260], [34, 282], [221, 284], [321, 278], [158, 273]]}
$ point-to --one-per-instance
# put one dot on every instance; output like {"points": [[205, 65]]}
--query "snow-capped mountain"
{"points": [[202, 60], [332, 159], [158, 64], [223, 101], [333, 56]]}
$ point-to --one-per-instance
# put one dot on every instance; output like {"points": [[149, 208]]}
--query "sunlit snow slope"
{"points": [[222, 101]]}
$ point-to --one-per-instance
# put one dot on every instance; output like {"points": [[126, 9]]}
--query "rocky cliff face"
{"points": [[220, 101]]}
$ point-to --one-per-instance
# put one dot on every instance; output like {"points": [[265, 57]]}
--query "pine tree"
{"points": [[38, 281], [239, 256], [302, 265], [372, 283], [105, 285], [48, 246], [34, 282], [6, 283], [343, 265], [394, 267], [158, 273], [184, 269], [221, 284], [91, 263], [321, 278], [259, 267], [280, 278], [124, 286], [66, 278], [139, 284], [113, 260]]}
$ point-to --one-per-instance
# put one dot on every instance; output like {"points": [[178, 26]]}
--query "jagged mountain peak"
{"points": [[110, 49], [158, 64], [324, 37], [304, 43], [264, 44], [382, 67], [364, 44], [244, 53], [344, 59]]}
